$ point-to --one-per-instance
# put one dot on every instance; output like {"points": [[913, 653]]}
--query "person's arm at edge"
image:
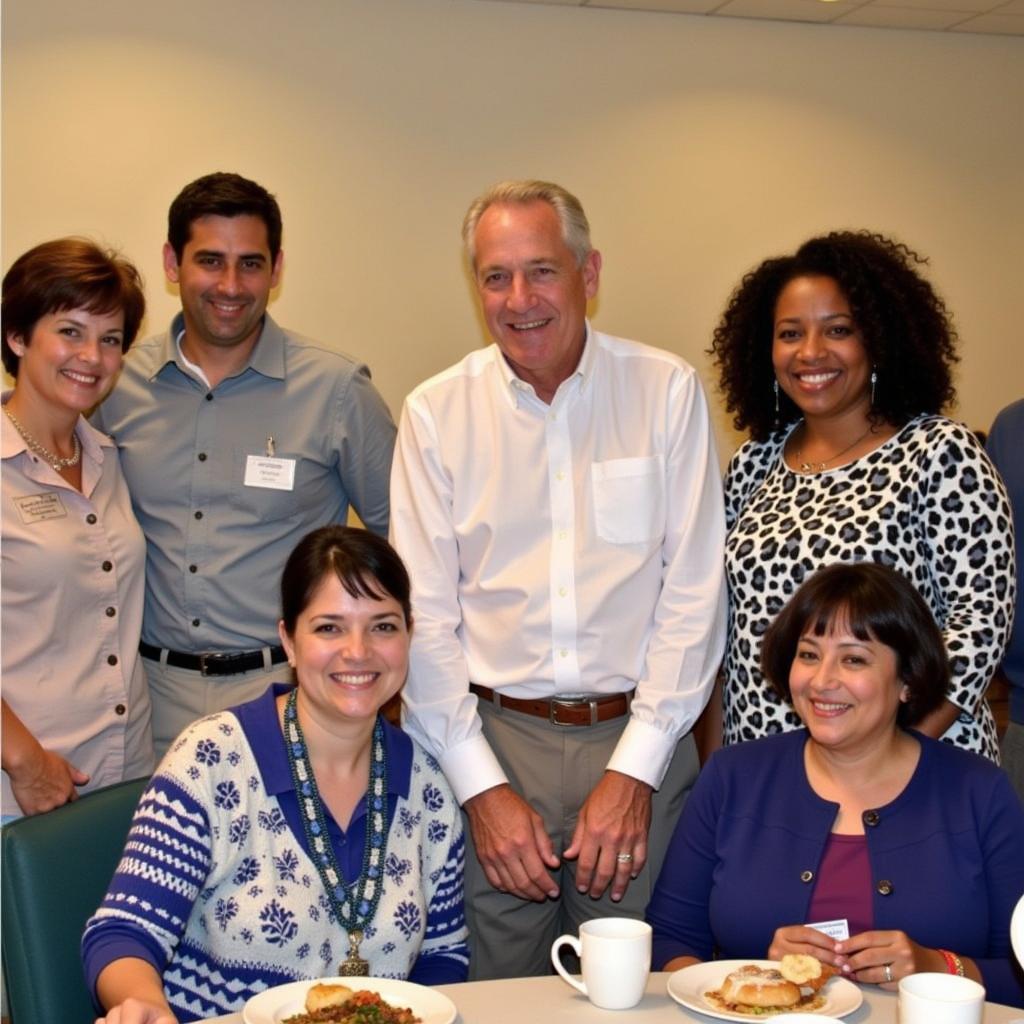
{"points": [[365, 441], [961, 630], [683, 654], [140, 929]]}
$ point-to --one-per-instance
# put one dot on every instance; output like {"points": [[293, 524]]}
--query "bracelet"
{"points": [[954, 965]]}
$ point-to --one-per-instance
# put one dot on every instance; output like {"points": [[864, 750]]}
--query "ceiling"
{"points": [[999, 17]]}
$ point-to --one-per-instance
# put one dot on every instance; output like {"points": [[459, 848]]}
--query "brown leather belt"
{"points": [[573, 711]]}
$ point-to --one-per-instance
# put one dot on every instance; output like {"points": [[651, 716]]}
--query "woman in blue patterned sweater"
{"points": [[299, 835]]}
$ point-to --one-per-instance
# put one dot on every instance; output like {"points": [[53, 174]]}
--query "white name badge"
{"points": [[838, 929], [37, 508], [264, 471]]}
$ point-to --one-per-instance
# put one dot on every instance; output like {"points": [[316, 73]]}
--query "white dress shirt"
{"points": [[563, 549]]}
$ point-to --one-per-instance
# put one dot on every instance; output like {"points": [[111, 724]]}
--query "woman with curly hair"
{"points": [[838, 360]]}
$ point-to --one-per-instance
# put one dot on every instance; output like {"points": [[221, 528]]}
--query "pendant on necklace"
{"points": [[354, 966]]}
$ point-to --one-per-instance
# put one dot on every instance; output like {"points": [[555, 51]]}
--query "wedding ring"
{"points": [[888, 972], [624, 858]]}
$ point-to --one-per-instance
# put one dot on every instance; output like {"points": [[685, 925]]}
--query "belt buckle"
{"points": [[207, 661], [570, 703]]}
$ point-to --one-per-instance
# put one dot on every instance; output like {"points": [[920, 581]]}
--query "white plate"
{"points": [[277, 1004], [688, 986]]}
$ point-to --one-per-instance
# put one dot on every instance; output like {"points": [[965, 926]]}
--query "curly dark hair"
{"points": [[906, 327]]}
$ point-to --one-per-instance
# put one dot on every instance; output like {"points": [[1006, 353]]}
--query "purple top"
{"points": [[844, 886]]}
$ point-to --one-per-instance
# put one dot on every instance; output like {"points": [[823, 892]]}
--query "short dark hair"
{"points": [[222, 195], [907, 330], [875, 603], [364, 563], [66, 274]]}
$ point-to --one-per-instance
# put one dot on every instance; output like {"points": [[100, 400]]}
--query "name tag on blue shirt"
{"points": [[276, 474]]}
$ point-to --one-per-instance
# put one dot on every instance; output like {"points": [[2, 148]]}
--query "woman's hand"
{"points": [[46, 782], [865, 957], [137, 1011], [40, 779], [798, 938]]}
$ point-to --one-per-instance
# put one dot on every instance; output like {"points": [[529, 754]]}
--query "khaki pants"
{"points": [[180, 696], [554, 768]]}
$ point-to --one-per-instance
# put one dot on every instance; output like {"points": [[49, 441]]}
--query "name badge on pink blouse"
{"points": [[37, 508]]}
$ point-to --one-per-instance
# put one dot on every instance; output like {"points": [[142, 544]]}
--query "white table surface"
{"points": [[552, 1001]]}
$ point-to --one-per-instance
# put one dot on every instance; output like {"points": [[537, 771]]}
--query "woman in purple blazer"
{"points": [[913, 844]]}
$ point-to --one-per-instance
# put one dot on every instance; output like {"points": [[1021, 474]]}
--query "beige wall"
{"points": [[698, 146]]}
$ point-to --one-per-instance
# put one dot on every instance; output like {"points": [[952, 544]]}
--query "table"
{"points": [[551, 1001]]}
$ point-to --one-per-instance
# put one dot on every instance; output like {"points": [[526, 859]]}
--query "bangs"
{"points": [[840, 618], [356, 582]]}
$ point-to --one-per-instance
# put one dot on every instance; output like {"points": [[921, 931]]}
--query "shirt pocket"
{"points": [[629, 499], [258, 505]]}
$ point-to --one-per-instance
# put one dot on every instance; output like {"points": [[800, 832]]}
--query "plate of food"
{"points": [[745, 989], [349, 1001]]}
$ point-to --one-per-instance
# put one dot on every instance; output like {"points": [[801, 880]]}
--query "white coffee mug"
{"points": [[939, 999], [616, 957]]}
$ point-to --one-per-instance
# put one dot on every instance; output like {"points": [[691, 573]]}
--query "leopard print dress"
{"points": [[926, 502]]}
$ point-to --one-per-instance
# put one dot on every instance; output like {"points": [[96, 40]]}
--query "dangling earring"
{"points": [[874, 381], [776, 389]]}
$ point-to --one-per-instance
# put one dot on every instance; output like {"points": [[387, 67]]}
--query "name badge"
{"points": [[838, 929], [275, 474], [37, 508]]}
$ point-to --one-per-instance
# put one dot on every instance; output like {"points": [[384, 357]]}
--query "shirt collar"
{"points": [[518, 389], [262, 729], [12, 443], [267, 356]]}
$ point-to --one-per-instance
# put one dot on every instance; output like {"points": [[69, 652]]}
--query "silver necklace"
{"points": [[807, 467], [44, 453]]}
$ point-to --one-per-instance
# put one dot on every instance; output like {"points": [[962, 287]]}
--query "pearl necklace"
{"points": [[808, 467], [44, 453], [367, 888]]}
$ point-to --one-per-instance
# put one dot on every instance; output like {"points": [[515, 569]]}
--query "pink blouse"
{"points": [[71, 590]]}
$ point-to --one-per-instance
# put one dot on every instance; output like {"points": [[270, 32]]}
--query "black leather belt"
{"points": [[575, 711], [215, 663]]}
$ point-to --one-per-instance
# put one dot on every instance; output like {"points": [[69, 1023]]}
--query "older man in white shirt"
{"points": [[557, 499]]}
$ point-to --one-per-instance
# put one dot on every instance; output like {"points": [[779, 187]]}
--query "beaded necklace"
{"points": [[43, 452], [367, 888]]}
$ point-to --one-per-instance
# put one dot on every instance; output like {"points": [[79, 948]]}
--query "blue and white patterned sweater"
{"points": [[217, 890]]}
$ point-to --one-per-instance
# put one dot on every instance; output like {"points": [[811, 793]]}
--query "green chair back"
{"points": [[56, 868]]}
